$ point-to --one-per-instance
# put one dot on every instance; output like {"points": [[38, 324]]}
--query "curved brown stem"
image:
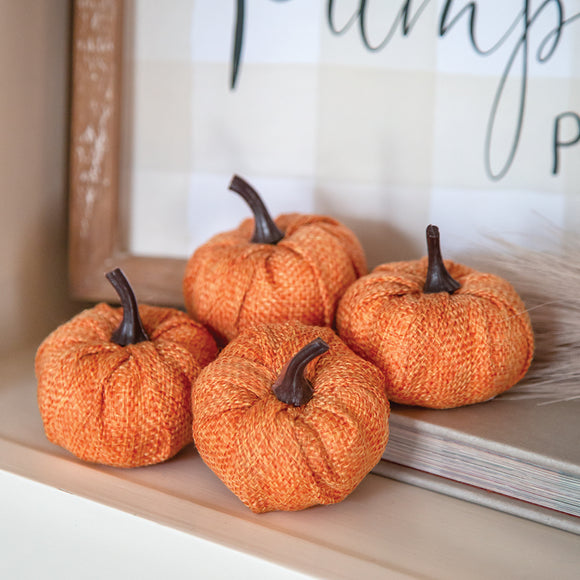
{"points": [[265, 230], [438, 278], [131, 329], [291, 386]]}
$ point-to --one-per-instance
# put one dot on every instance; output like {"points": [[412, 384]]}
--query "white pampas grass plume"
{"points": [[549, 284]]}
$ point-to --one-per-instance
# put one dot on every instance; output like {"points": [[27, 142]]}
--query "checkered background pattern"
{"points": [[385, 141]]}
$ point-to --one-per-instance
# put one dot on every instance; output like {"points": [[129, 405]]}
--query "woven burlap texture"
{"points": [[231, 284], [274, 456], [438, 350], [125, 406]]}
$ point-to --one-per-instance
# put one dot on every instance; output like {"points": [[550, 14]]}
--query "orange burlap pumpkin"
{"points": [[295, 268], [125, 406], [444, 334], [293, 453]]}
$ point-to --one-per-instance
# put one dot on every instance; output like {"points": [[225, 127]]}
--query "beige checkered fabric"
{"points": [[421, 126]]}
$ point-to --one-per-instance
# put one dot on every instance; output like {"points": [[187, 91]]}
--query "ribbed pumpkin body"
{"points": [[438, 350], [231, 284], [275, 456], [124, 406]]}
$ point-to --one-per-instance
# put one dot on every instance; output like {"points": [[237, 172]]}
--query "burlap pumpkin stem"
{"points": [[265, 229], [114, 385], [289, 417], [292, 387], [295, 267], [438, 278], [444, 334], [131, 330]]}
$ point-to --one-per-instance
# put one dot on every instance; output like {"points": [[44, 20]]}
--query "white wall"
{"points": [[34, 55]]}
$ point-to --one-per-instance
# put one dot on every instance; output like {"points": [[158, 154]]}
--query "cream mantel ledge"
{"points": [[62, 518]]}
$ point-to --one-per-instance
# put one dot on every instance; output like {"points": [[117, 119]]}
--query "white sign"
{"points": [[385, 115]]}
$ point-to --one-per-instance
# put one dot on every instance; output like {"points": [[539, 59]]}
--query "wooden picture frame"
{"points": [[97, 214]]}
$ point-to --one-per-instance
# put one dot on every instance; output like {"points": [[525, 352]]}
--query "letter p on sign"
{"points": [[568, 123]]}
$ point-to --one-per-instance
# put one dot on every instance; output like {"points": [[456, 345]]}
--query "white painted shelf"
{"points": [[71, 519]]}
